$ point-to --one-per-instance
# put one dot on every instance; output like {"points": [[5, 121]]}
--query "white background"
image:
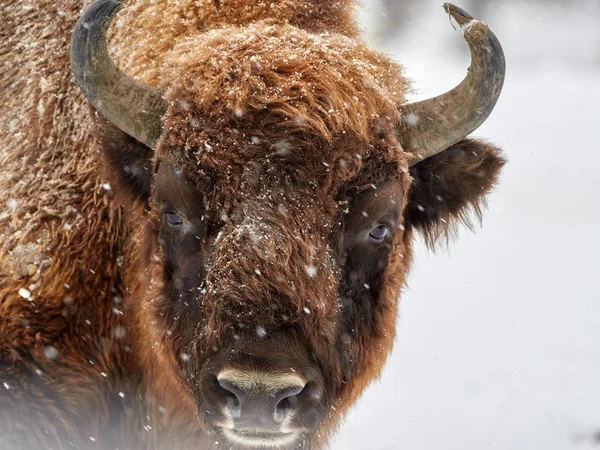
{"points": [[498, 342]]}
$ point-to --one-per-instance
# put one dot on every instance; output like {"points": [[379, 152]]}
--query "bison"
{"points": [[211, 255]]}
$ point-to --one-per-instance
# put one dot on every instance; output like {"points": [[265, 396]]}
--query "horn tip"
{"points": [[459, 14]]}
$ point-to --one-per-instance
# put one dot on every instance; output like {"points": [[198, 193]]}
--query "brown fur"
{"points": [[450, 188], [269, 106]]}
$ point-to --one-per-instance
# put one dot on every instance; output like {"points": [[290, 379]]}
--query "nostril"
{"points": [[290, 400], [285, 407], [229, 394]]}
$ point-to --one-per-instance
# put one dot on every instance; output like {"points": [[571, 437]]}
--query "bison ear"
{"points": [[128, 164], [450, 187]]}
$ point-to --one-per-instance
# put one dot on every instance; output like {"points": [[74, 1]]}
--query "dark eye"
{"points": [[173, 219], [379, 233]]}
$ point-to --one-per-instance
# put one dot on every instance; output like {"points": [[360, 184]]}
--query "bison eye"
{"points": [[379, 233], [173, 219]]}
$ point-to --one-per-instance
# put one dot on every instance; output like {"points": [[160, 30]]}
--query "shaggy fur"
{"points": [[450, 187], [279, 119]]}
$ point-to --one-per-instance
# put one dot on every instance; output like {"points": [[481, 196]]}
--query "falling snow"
{"points": [[261, 332], [411, 119], [50, 352], [311, 271], [119, 332]]}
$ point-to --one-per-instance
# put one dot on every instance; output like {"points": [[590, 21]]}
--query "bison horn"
{"points": [[431, 126], [132, 106]]}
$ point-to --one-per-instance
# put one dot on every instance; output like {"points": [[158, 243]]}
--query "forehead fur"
{"points": [[266, 93], [326, 83], [138, 22]]}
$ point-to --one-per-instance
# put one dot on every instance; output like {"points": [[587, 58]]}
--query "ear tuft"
{"points": [[450, 188]]}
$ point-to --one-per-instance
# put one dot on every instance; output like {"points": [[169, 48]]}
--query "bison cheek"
{"points": [[372, 341], [163, 349]]}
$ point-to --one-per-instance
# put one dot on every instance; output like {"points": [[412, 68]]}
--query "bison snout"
{"points": [[265, 409], [265, 406]]}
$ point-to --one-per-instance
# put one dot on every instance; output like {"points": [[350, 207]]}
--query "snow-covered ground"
{"points": [[498, 341]]}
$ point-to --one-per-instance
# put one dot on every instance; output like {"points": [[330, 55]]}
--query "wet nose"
{"points": [[262, 401]]}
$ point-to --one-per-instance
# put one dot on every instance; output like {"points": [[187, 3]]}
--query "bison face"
{"points": [[271, 315], [268, 317], [274, 311]]}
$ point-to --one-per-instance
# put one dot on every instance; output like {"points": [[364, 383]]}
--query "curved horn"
{"points": [[132, 106], [431, 126]]}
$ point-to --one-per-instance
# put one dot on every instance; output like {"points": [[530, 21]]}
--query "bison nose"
{"points": [[261, 401]]}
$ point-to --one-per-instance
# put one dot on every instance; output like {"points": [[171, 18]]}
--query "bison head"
{"points": [[280, 176]]}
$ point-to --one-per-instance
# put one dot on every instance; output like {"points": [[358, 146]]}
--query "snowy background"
{"points": [[498, 342]]}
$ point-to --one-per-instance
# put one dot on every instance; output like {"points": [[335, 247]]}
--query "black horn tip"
{"points": [[459, 14]]}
